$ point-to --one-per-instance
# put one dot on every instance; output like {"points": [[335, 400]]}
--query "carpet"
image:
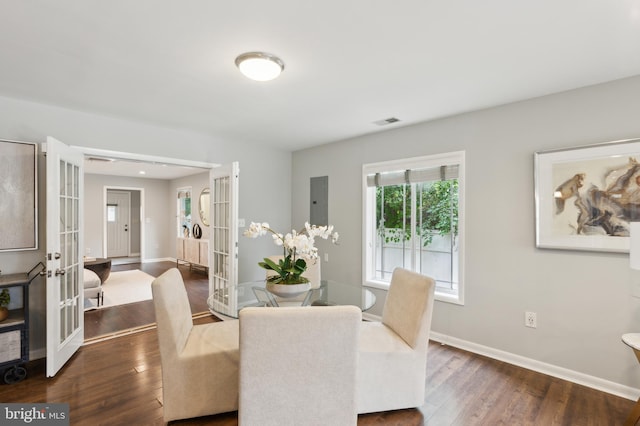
{"points": [[124, 287]]}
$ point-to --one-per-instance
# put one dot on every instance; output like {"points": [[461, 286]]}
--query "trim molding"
{"points": [[540, 367], [159, 259]]}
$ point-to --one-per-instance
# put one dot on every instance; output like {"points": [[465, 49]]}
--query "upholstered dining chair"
{"points": [[298, 365], [393, 353], [199, 362]]}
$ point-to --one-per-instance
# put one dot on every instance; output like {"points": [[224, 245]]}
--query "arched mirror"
{"points": [[204, 206]]}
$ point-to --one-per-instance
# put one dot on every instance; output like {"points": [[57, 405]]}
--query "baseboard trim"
{"points": [[371, 317], [160, 259], [37, 354], [540, 367]]}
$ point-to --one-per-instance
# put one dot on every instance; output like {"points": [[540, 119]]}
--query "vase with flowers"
{"points": [[298, 248]]}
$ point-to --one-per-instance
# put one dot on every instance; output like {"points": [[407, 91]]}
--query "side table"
{"points": [[633, 341], [102, 268]]}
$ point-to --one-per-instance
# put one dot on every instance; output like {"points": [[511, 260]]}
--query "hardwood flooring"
{"points": [[118, 382], [115, 319]]}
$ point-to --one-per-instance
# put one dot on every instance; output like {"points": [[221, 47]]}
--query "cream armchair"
{"points": [[93, 287], [298, 365], [393, 353], [199, 362]]}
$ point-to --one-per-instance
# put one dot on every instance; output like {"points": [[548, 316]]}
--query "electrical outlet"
{"points": [[530, 319]]}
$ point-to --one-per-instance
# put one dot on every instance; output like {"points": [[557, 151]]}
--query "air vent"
{"points": [[386, 121]]}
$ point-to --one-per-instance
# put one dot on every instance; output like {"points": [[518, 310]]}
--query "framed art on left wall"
{"points": [[18, 196]]}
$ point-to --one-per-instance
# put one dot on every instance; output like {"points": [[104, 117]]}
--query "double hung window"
{"points": [[413, 216]]}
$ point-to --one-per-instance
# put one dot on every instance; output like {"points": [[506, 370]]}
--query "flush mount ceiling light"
{"points": [[259, 66]]}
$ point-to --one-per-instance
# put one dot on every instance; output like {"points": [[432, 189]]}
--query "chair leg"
{"points": [[634, 415]]}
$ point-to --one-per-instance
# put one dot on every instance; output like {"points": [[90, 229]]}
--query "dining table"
{"points": [[229, 300]]}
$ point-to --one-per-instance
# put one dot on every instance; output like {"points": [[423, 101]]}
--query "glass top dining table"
{"points": [[254, 293]]}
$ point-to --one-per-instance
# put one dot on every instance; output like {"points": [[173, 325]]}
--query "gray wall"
{"points": [[583, 300], [262, 169]]}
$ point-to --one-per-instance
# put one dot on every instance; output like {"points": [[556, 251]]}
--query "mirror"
{"points": [[204, 206]]}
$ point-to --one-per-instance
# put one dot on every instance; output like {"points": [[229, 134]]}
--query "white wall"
{"points": [[583, 300], [159, 212], [260, 170]]}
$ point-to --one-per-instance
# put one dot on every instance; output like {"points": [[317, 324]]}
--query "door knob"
{"points": [[60, 272]]}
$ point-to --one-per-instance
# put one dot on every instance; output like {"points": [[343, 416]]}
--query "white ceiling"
{"points": [[348, 62], [140, 169]]}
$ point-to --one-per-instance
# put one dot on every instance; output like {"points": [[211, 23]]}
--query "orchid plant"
{"points": [[298, 247]]}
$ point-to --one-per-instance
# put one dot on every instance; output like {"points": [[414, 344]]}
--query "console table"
{"points": [[194, 251]]}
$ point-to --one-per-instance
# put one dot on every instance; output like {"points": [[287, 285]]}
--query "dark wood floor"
{"points": [[115, 319], [118, 382]]}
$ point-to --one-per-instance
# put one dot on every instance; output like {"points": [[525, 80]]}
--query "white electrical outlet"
{"points": [[530, 319]]}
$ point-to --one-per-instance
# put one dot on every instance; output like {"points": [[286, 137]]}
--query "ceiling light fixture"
{"points": [[259, 66]]}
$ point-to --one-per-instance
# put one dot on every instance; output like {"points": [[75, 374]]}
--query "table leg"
{"points": [[633, 416]]}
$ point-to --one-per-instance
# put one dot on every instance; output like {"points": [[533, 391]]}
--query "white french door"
{"points": [[65, 213], [223, 237]]}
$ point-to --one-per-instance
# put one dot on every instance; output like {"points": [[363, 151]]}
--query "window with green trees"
{"points": [[413, 220]]}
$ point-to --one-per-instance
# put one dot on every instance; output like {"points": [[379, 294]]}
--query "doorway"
{"points": [[150, 231], [123, 228]]}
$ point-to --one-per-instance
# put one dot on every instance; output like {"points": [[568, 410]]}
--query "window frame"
{"points": [[369, 215]]}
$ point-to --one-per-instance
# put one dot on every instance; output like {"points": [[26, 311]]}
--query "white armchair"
{"points": [[298, 366], [199, 362], [93, 286], [393, 353]]}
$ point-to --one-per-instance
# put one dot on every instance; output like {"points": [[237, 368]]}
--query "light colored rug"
{"points": [[124, 287]]}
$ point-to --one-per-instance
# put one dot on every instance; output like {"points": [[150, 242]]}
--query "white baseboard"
{"points": [[540, 367], [160, 259], [37, 354], [371, 317]]}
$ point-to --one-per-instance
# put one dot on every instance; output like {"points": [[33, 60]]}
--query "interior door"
{"points": [[65, 213], [223, 237], [118, 221]]}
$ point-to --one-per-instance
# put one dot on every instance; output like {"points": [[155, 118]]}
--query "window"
{"points": [[184, 212], [111, 212], [413, 216]]}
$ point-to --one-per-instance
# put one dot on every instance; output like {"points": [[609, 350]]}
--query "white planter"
{"points": [[288, 290]]}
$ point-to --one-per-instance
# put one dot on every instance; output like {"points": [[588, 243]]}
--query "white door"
{"points": [[223, 237], [65, 292], [118, 221]]}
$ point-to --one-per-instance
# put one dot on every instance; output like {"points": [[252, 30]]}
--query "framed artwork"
{"points": [[587, 196], [18, 195]]}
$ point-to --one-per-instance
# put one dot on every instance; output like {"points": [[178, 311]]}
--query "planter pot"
{"points": [[288, 290], [4, 313]]}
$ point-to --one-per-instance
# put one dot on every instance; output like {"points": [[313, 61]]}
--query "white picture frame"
{"points": [[585, 197]]}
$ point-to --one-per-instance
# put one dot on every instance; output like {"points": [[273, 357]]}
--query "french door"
{"points": [[65, 213], [223, 239]]}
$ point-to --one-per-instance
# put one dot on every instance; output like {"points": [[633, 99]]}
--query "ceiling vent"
{"points": [[386, 121]]}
